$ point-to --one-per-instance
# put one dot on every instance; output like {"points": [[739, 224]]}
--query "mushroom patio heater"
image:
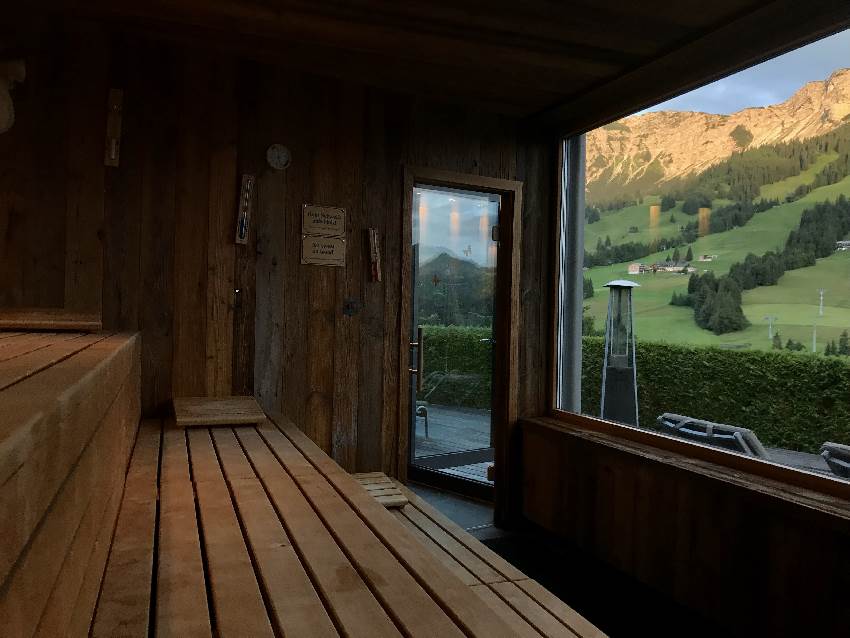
{"points": [[619, 371]]}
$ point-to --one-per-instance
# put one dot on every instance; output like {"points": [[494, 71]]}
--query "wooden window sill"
{"points": [[808, 489]]}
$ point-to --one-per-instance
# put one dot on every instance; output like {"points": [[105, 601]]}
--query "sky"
{"points": [[767, 83], [456, 223]]}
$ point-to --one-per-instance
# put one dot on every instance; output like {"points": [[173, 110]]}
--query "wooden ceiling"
{"points": [[562, 65]]}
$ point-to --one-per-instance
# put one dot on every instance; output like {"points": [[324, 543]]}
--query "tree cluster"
{"points": [[588, 288], [794, 346], [606, 253], [667, 202], [716, 303], [741, 176], [842, 349], [820, 227]]}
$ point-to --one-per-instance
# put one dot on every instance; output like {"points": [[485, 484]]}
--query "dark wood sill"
{"points": [[807, 489]]}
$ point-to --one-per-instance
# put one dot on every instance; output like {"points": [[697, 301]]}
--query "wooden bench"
{"points": [[69, 410], [254, 531], [523, 603]]}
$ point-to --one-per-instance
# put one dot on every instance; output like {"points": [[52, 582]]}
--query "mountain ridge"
{"points": [[639, 152]]}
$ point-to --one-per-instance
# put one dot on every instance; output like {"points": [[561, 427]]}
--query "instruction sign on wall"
{"points": [[322, 251], [327, 221]]}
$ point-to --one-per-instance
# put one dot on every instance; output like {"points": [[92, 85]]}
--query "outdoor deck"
{"points": [[452, 429], [255, 531]]}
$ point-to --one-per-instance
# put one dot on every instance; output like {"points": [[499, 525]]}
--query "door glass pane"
{"points": [[454, 270]]}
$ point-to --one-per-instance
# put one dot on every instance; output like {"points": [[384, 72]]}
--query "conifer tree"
{"points": [[844, 344]]}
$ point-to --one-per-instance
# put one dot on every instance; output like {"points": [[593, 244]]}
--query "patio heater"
{"points": [[619, 371]]}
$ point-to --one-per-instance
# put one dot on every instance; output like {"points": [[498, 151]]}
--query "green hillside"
{"points": [[615, 224], [781, 189], [656, 320]]}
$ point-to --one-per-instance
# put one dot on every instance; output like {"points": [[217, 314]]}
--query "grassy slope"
{"points": [[615, 224], [780, 189], [657, 320]]}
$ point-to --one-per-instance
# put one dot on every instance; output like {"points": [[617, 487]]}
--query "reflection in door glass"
{"points": [[454, 270]]}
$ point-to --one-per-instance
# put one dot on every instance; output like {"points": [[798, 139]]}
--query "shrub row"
{"points": [[793, 401], [789, 400], [457, 366]]}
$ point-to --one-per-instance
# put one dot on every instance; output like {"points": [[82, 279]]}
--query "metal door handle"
{"points": [[419, 370]]}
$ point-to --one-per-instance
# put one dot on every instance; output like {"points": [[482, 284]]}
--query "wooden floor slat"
{"points": [[487, 555], [296, 607], [532, 611], [517, 623], [23, 344], [49, 353], [258, 533], [454, 596], [181, 595], [438, 552], [454, 547], [237, 601], [350, 600], [558, 608], [125, 599], [414, 609]]}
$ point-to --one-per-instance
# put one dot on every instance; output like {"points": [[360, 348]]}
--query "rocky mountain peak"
{"points": [[652, 148]]}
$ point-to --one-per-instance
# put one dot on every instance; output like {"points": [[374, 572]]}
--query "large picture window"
{"points": [[705, 265]]}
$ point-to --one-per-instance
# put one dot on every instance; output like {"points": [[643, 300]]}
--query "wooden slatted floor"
{"points": [[254, 531], [522, 602]]}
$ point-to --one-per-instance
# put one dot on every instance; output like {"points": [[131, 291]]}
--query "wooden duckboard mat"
{"points": [[212, 411], [382, 488]]}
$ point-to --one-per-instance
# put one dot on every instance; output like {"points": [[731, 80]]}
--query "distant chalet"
{"points": [[664, 266], [841, 244]]}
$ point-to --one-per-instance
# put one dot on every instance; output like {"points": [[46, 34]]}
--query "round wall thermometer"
{"points": [[278, 156]]}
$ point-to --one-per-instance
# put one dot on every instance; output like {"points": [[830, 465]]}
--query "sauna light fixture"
{"points": [[10, 71]]}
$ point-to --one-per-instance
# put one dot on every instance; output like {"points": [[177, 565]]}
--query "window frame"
{"points": [[794, 478]]}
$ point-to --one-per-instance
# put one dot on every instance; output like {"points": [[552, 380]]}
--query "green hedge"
{"points": [[789, 400], [793, 401], [457, 366]]}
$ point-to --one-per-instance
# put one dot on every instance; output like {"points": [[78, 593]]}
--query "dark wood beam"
{"points": [[360, 31], [775, 28]]}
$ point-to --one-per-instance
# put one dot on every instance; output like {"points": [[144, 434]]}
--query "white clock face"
{"points": [[278, 156]]}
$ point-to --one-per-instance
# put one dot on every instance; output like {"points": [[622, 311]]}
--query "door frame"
{"points": [[505, 329]]}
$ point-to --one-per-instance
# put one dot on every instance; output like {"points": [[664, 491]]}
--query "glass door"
{"points": [[454, 250]]}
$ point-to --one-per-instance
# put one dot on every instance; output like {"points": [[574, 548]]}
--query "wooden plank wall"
{"points": [[52, 176], [752, 560], [194, 120]]}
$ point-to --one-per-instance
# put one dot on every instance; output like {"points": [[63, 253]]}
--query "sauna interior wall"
{"points": [[194, 120]]}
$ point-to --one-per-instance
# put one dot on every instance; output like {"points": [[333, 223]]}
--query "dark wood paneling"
{"points": [[191, 224], [193, 122], [221, 251], [34, 183], [755, 556], [88, 62]]}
